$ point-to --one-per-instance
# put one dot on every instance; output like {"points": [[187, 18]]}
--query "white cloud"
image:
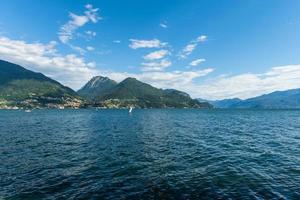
{"points": [[250, 85], [89, 48], [90, 33], [242, 86], [163, 25], [197, 62], [66, 31], [117, 41], [70, 70], [77, 48], [157, 55], [188, 49], [202, 38], [180, 80], [156, 66], [155, 43], [175, 79], [91, 13]]}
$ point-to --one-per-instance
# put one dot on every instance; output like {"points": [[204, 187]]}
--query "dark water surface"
{"points": [[150, 154]]}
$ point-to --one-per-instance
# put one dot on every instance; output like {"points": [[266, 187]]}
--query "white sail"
{"points": [[130, 109]]}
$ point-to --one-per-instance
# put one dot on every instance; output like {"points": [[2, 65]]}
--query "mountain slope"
{"points": [[96, 86], [274, 100], [225, 103], [24, 88], [131, 92]]}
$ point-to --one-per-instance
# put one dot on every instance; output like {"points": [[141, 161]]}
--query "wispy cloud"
{"points": [[89, 48], [117, 41], [90, 34], [67, 31], [197, 62], [157, 55], [78, 49], [188, 49], [155, 43], [163, 24], [202, 38], [156, 66], [70, 69]]}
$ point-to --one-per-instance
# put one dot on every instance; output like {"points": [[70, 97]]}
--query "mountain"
{"points": [[97, 85], [275, 100], [289, 99], [131, 92], [225, 103], [20, 87]]}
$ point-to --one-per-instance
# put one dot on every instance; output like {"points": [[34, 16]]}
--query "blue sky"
{"points": [[209, 48]]}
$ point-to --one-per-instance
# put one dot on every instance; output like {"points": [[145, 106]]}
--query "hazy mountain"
{"points": [[225, 103], [289, 99], [96, 86], [24, 88], [131, 92], [274, 100]]}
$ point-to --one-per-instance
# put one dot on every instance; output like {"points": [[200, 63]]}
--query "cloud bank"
{"points": [[249, 84], [70, 69]]}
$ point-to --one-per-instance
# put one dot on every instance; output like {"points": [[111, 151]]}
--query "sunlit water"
{"points": [[150, 154]]}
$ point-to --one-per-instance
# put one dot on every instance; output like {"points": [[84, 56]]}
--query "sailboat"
{"points": [[130, 109]]}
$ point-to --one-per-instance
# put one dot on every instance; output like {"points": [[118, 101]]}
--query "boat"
{"points": [[28, 110], [130, 109]]}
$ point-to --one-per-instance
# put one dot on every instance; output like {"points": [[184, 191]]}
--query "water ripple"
{"points": [[151, 154]]}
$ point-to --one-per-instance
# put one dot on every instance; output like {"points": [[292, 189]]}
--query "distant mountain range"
{"points": [[22, 88], [289, 99]]}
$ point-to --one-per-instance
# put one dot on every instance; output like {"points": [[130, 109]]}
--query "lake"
{"points": [[150, 154]]}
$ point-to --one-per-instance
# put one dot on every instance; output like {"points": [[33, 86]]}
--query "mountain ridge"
{"points": [[133, 93], [20, 87], [287, 99]]}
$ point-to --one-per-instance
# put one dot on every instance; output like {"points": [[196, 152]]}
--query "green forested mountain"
{"points": [[131, 92], [24, 88]]}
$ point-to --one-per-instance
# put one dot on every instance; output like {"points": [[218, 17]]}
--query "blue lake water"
{"points": [[150, 154]]}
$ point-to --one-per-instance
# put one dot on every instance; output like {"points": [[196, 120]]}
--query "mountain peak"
{"points": [[130, 79], [97, 80], [96, 86], [133, 82]]}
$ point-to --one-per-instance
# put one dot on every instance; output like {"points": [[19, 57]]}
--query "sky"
{"points": [[211, 49]]}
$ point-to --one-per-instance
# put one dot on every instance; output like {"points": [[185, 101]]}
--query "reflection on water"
{"points": [[150, 154]]}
